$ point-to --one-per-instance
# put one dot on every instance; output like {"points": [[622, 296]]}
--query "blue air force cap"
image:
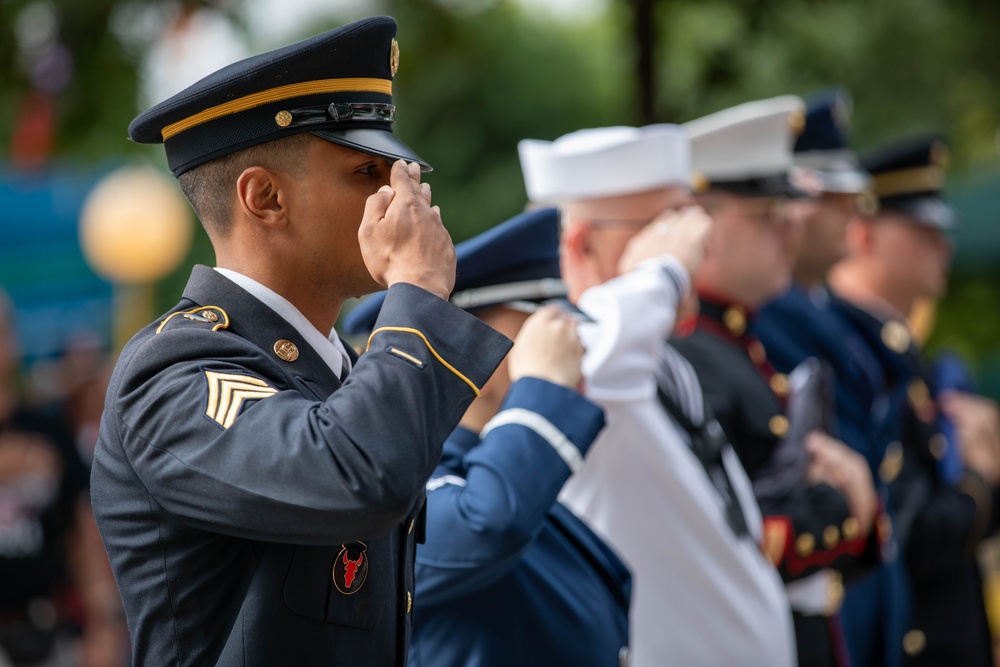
{"points": [[823, 149], [337, 85], [515, 262], [909, 177]]}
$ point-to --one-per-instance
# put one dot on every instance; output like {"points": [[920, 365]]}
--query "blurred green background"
{"points": [[478, 75]]}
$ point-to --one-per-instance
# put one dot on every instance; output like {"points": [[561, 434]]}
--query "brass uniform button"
{"points": [[804, 544], [914, 642], [409, 602], [896, 336], [884, 526], [892, 462], [779, 384], [851, 528], [831, 535], [286, 350], [918, 394], [938, 446], [778, 425], [735, 320]]}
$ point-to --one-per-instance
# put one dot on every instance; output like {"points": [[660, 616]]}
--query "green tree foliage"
{"points": [[476, 77]]}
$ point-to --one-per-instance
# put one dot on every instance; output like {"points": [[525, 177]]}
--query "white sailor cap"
{"points": [[605, 162], [747, 149]]}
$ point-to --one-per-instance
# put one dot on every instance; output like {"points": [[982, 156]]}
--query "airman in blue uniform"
{"points": [[258, 487], [941, 510], [799, 325], [508, 575]]}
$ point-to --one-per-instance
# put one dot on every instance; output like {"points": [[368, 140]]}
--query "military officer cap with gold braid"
{"points": [[909, 176], [337, 85]]}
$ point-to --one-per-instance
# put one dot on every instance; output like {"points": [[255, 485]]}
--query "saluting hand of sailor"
{"points": [[402, 237], [548, 347], [681, 234], [836, 464]]}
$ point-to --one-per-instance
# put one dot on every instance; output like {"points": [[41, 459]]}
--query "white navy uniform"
{"points": [[702, 593]]}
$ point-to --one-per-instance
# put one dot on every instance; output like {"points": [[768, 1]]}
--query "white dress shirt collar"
{"points": [[330, 348]]}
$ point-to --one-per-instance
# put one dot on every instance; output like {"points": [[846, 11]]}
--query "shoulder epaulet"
{"points": [[207, 317]]}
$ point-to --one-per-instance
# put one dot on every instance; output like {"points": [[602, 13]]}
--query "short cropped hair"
{"points": [[209, 187]]}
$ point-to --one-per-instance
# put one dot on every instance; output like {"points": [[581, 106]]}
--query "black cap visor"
{"points": [[374, 142], [929, 211], [766, 186]]}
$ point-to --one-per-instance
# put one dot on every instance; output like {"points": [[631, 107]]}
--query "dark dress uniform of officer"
{"points": [[508, 575], [799, 325], [257, 508], [939, 519], [807, 527]]}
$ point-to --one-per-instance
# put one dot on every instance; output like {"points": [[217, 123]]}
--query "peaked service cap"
{"points": [[337, 85]]}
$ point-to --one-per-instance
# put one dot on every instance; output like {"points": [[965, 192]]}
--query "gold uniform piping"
{"points": [[368, 85], [429, 347]]}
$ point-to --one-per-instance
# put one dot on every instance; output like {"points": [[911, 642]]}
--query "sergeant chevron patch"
{"points": [[228, 391]]}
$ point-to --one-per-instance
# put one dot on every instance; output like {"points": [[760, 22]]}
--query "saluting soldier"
{"points": [[259, 504], [508, 575], [661, 484], [943, 492], [800, 324], [816, 494]]}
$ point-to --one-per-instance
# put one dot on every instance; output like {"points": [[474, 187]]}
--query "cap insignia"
{"points": [[940, 155], [393, 57]]}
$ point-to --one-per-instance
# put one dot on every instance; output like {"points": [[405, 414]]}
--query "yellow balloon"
{"points": [[135, 226]]}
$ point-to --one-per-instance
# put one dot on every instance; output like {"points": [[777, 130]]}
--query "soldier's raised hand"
{"points": [[549, 348], [402, 237], [836, 464], [681, 234], [977, 421]]}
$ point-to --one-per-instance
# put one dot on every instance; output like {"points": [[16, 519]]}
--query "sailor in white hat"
{"points": [[660, 484]]}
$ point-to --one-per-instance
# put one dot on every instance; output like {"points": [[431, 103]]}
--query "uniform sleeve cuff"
{"points": [[460, 341], [556, 413]]}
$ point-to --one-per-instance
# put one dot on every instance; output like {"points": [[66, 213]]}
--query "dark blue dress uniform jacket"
{"points": [[939, 523], [508, 576], [256, 513], [797, 326]]}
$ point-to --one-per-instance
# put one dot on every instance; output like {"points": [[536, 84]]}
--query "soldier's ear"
{"points": [[575, 242], [860, 236], [261, 197]]}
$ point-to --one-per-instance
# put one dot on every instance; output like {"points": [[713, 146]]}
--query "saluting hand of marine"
{"points": [[681, 234]]}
